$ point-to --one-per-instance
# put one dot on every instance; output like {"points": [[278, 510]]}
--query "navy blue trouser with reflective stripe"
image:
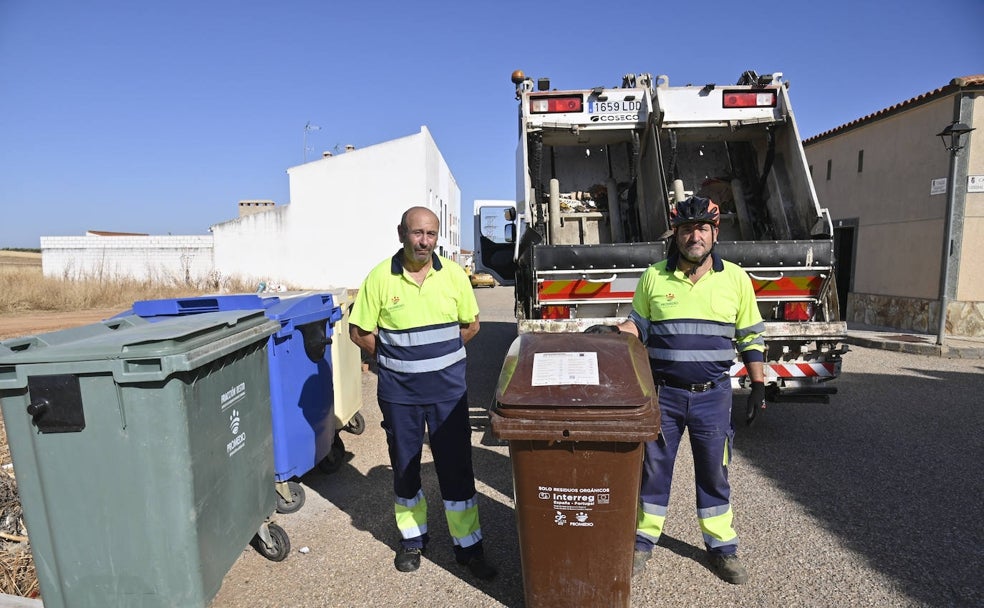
{"points": [[449, 433], [707, 418]]}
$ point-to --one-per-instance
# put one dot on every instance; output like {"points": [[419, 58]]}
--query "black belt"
{"points": [[693, 388]]}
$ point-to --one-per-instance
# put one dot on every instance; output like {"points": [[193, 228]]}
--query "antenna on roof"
{"points": [[308, 127]]}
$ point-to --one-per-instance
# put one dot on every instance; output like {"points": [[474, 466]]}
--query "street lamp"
{"points": [[953, 132], [950, 136]]}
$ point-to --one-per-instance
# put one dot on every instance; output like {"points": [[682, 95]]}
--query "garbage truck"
{"points": [[598, 170]]}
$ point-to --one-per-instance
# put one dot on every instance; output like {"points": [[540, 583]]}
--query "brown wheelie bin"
{"points": [[576, 410]]}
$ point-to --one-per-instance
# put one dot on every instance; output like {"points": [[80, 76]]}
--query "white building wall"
{"points": [[345, 209], [341, 221], [166, 259], [251, 248], [444, 199]]}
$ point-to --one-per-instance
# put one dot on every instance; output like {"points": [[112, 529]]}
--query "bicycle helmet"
{"points": [[695, 210]]}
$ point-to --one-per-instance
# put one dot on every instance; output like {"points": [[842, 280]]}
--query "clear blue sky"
{"points": [[159, 117]]}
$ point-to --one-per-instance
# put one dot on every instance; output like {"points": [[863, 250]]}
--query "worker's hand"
{"points": [[603, 329], [756, 402]]}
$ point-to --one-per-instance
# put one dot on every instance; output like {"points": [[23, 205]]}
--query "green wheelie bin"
{"points": [[143, 456]]}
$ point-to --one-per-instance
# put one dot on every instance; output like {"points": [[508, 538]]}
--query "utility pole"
{"points": [[952, 132]]}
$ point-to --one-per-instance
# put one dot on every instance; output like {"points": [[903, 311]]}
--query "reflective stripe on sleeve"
{"points": [[758, 328]]}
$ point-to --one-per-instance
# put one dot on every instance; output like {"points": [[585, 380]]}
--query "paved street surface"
{"points": [[874, 499]]}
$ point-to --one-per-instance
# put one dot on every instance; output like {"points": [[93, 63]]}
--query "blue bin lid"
{"points": [[292, 310], [304, 308], [197, 305]]}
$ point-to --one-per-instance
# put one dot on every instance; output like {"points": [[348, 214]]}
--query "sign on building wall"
{"points": [[938, 186], [975, 183]]}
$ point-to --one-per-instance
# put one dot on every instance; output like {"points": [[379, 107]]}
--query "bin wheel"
{"points": [[335, 458], [296, 499], [357, 425], [280, 544]]}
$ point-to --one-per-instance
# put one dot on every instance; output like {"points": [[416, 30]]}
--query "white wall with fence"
{"points": [[167, 259]]}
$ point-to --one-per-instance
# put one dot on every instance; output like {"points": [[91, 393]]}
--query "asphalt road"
{"points": [[874, 499]]}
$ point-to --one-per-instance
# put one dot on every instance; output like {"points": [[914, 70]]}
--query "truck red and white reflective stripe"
{"points": [[792, 373], [572, 291]]}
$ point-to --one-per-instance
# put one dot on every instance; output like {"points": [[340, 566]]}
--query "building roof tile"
{"points": [[975, 80]]}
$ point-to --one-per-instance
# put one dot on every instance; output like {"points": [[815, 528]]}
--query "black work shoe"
{"points": [[407, 558], [729, 568], [479, 568], [639, 559]]}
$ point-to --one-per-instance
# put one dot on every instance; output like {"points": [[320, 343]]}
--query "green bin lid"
{"points": [[136, 349]]}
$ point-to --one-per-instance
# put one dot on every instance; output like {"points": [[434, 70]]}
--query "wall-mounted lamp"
{"points": [[950, 136]]}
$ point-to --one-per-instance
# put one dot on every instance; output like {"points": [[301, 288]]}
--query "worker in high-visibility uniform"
{"points": [[414, 313], [691, 311]]}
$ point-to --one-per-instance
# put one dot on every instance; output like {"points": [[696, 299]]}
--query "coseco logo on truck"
{"points": [[598, 170]]}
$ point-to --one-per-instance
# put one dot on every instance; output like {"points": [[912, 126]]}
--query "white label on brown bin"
{"points": [[579, 500], [552, 369]]}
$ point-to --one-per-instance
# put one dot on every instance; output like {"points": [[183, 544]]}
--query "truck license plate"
{"points": [[617, 105]]}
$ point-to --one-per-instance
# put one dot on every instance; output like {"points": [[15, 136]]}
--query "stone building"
{"points": [[886, 180]]}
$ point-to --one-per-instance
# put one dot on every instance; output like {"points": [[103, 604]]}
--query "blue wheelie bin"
{"points": [[301, 384]]}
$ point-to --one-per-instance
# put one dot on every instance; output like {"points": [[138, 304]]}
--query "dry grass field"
{"points": [[30, 304], [23, 288], [10, 259]]}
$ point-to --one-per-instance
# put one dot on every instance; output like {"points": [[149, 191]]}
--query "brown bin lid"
{"points": [[576, 386]]}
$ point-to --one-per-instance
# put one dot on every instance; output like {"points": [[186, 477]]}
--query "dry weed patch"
{"points": [[25, 289], [17, 573]]}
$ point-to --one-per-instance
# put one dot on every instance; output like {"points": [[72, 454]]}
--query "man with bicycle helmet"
{"points": [[691, 311]]}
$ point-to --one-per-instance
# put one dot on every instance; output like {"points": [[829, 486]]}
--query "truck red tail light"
{"points": [[552, 105], [797, 311], [749, 99], [555, 312]]}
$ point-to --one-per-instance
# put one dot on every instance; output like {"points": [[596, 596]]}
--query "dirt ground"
{"points": [[15, 325]]}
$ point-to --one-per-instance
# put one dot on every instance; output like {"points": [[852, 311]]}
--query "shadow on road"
{"points": [[898, 480], [368, 499], [485, 355]]}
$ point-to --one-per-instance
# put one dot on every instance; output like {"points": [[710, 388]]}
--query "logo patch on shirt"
{"points": [[396, 300], [665, 300]]}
